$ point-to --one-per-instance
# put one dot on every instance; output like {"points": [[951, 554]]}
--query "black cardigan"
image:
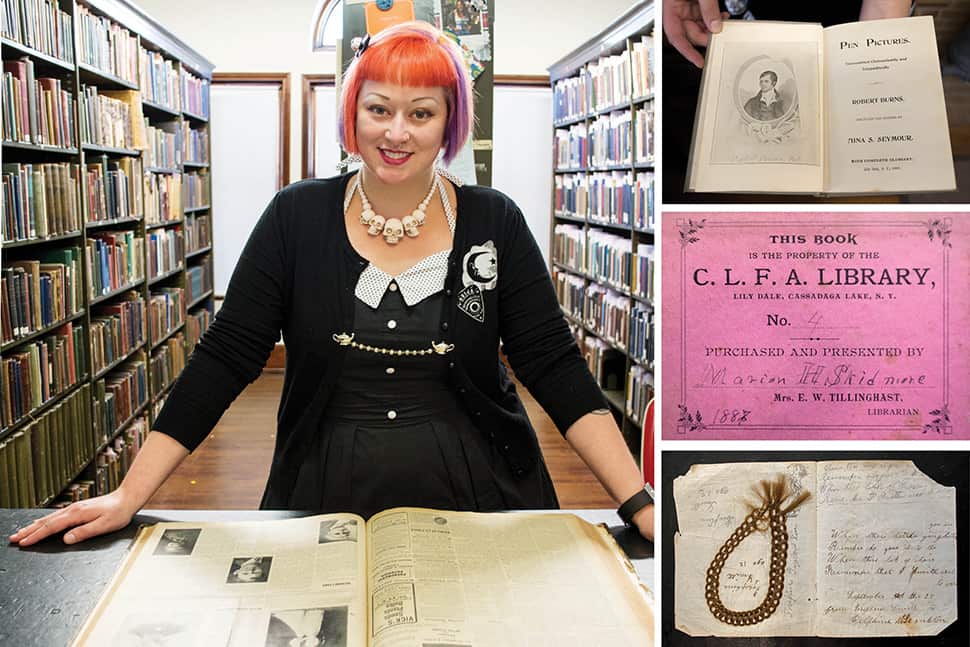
{"points": [[297, 273]]}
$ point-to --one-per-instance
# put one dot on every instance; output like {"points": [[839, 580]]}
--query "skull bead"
{"points": [[366, 215], [418, 216], [376, 225], [410, 226], [393, 231]]}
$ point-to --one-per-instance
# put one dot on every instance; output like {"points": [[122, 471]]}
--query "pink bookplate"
{"points": [[816, 325]]}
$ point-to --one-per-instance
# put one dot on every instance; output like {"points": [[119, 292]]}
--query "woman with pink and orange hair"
{"points": [[393, 287]]}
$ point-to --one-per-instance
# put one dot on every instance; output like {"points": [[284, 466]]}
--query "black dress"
{"points": [[395, 434]]}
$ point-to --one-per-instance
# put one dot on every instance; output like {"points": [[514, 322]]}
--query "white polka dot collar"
{"points": [[421, 280]]}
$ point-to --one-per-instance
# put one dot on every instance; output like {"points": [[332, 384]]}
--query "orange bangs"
{"points": [[413, 55]]}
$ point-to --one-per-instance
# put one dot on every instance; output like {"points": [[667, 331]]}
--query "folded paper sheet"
{"points": [[871, 553]]}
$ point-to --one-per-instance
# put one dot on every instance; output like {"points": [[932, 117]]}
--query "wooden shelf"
{"points": [[36, 55], [167, 336], [118, 362], [166, 275], [92, 75], [108, 150], [167, 223], [114, 293], [13, 344], [158, 111], [41, 241]]}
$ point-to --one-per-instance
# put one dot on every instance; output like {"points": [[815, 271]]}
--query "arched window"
{"points": [[328, 24]]}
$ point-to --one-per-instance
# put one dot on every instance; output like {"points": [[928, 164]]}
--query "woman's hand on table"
{"points": [[83, 520]]}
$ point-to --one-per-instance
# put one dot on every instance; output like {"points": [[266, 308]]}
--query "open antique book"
{"points": [[871, 551], [407, 577], [795, 108]]}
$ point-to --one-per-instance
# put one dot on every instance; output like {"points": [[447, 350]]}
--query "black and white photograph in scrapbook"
{"points": [[248, 570], [334, 530], [177, 541], [317, 627], [767, 105]]}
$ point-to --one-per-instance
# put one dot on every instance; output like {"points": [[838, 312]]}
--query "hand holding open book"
{"points": [[795, 108]]}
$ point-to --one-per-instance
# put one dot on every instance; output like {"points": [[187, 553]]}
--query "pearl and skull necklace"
{"points": [[393, 229]]}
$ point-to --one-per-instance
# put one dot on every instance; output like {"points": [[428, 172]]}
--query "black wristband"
{"points": [[634, 504]]}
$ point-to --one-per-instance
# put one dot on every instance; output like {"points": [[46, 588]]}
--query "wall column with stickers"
{"points": [[471, 24]]}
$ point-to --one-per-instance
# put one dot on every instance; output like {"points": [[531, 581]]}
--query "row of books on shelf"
{"points": [[168, 361], [41, 370], [163, 198], [639, 392], [609, 140], [166, 311], [105, 119], [40, 460], [607, 314], [36, 110], [109, 467], [110, 118], [198, 188], [619, 198], [162, 149], [196, 323], [614, 140], [120, 394], [40, 25], [609, 368], [194, 143], [37, 293], [608, 82], [195, 94], [642, 332], [111, 189], [166, 249], [198, 232], [607, 257], [610, 258], [159, 79], [117, 330], [115, 259], [607, 364], [166, 84], [107, 46], [40, 200], [198, 279]]}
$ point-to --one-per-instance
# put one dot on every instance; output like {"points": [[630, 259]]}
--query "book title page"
{"points": [[805, 325], [887, 127]]}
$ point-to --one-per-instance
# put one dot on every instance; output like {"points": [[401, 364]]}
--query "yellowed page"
{"points": [[750, 137], [887, 550], [493, 580], [238, 584], [887, 127], [710, 502]]}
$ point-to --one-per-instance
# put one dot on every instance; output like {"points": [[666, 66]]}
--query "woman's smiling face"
{"points": [[400, 129]]}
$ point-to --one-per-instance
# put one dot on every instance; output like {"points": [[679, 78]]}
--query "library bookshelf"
{"points": [[106, 239], [602, 224]]}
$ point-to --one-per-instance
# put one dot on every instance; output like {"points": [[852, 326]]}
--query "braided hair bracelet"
{"points": [[776, 501]]}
